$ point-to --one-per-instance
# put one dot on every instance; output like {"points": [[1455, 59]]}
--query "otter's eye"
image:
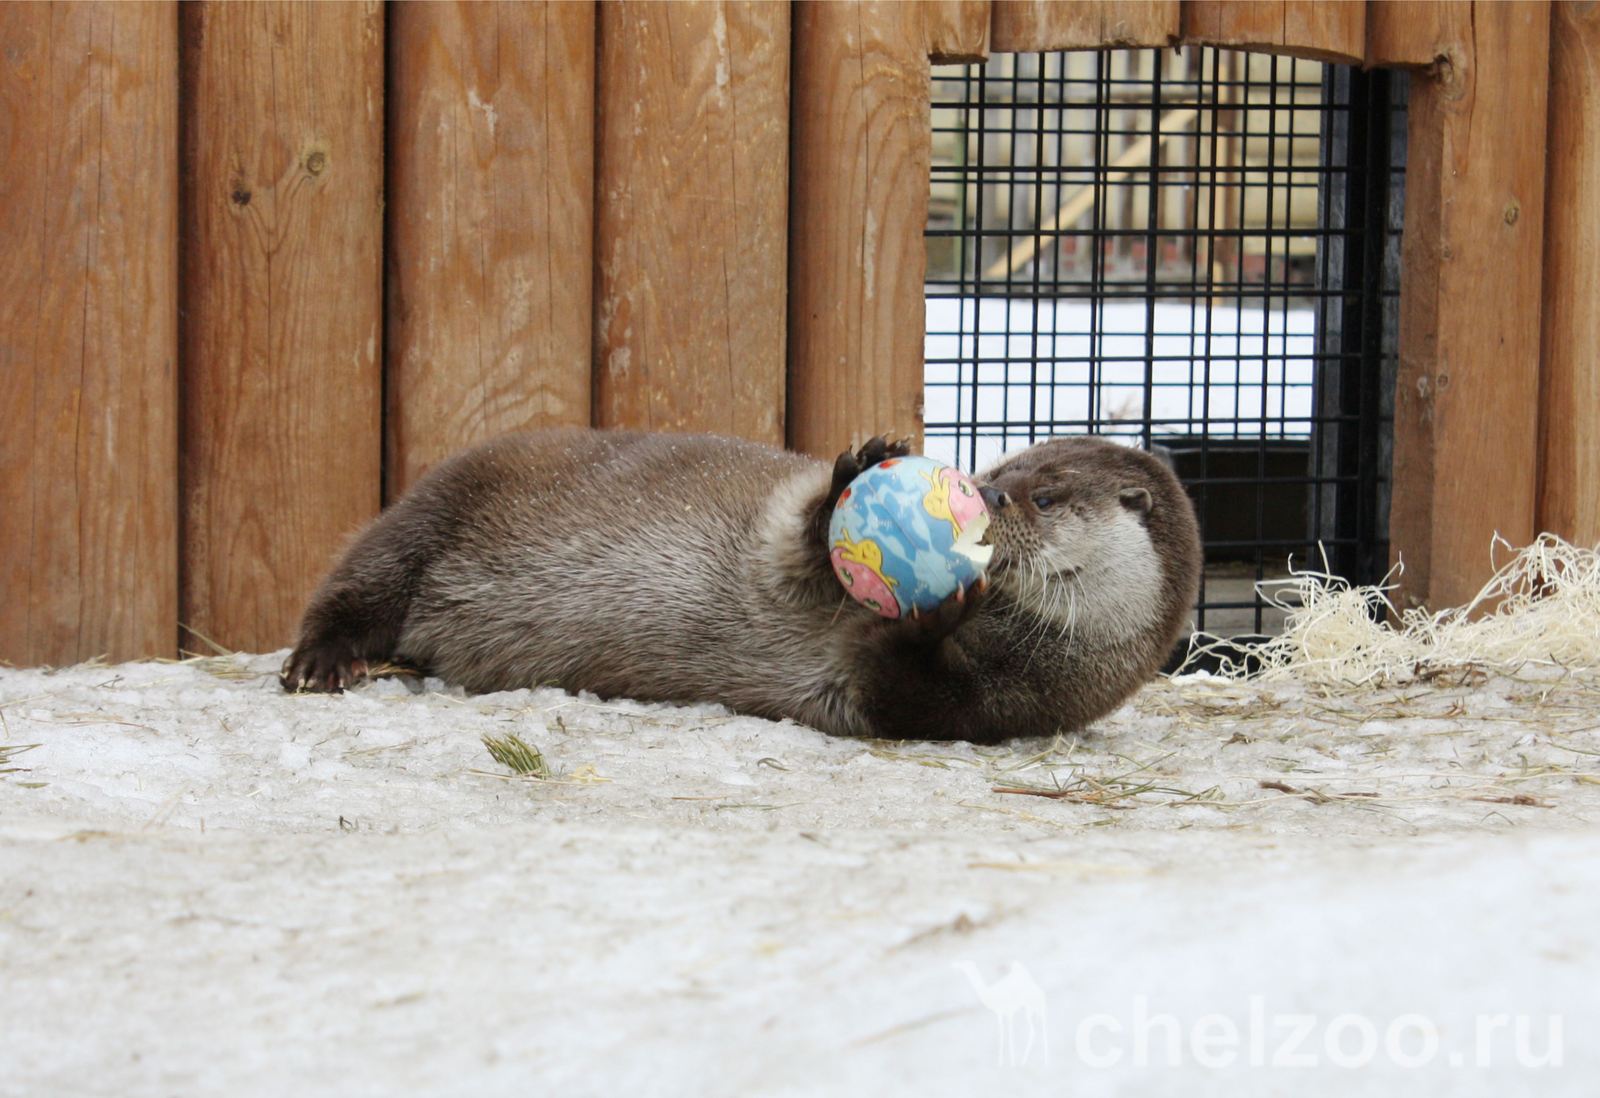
{"points": [[1043, 502]]}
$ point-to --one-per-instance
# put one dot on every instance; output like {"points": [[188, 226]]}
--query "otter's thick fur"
{"points": [[694, 568]]}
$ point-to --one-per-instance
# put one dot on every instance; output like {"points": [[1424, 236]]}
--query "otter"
{"points": [[689, 568]]}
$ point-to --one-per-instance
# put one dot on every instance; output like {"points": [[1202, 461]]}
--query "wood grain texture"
{"points": [[860, 203], [690, 219], [1569, 498], [956, 30], [1328, 30], [1232, 22], [88, 331], [491, 215], [1467, 398], [1417, 32], [1421, 271], [282, 193], [1025, 26]]}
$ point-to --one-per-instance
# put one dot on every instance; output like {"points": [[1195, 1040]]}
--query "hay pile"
{"points": [[1538, 616]]}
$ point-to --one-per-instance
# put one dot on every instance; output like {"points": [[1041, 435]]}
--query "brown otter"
{"points": [[693, 568]]}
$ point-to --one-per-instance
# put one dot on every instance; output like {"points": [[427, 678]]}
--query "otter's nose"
{"points": [[994, 499]]}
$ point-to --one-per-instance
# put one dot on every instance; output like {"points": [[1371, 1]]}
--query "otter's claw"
{"points": [[322, 669], [852, 463], [934, 625]]}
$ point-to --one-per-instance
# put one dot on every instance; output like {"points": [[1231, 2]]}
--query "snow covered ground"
{"points": [[207, 887]]}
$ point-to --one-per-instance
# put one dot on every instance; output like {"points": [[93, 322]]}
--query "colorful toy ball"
{"points": [[904, 535]]}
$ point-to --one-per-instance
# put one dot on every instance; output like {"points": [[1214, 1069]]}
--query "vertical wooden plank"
{"points": [[1421, 269], [1569, 502], [858, 208], [1027, 26], [88, 331], [690, 219], [1467, 397], [282, 193], [956, 30], [491, 225], [1155, 23], [1417, 32], [1252, 23], [1334, 29], [1328, 30], [861, 161]]}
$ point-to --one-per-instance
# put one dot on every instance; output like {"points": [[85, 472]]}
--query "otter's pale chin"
{"points": [[970, 542]]}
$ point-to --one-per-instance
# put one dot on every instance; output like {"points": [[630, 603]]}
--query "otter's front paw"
{"points": [[324, 667], [933, 626], [852, 463]]}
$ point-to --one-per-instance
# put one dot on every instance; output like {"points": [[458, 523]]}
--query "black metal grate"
{"points": [[1193, 249]]}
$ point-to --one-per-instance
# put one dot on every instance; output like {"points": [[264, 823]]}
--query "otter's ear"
{"points": [[1137, 500]]}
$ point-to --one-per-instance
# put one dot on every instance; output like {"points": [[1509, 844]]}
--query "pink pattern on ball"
{"points": [[865, 585], [965, 502]]}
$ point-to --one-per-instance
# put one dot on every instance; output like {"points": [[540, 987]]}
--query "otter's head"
{"points": [[1093, 534]]}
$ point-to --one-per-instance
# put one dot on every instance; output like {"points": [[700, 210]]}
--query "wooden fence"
{"points": [[263, 264]]}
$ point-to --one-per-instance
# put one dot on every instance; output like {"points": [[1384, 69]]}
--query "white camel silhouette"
{"points": [[1014, 991]]}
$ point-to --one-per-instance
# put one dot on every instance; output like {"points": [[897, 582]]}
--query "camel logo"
{"points": [[1011, 995]]}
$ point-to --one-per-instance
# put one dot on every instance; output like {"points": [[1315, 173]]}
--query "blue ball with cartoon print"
{"points": [[906, 534]]}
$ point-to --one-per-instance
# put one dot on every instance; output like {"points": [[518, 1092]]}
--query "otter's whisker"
{"points": [[1045, 611], [1072, 611]]}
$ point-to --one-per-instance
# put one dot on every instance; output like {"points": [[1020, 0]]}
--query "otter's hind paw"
{"points": [[323, 668]]}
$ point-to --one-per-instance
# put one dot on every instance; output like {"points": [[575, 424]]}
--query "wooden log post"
{"points": [[88, 331], [282, 229], [957, 31], [491, 215], [1416, 32], [1327, 30], [862, 151], [1467, 397], [1569, 498], [1026, 26], [691, 214]]}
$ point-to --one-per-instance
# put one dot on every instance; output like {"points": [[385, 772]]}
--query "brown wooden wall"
{"points": [[693, 177], [490, 198], [1569, 497], [281, 246], [264, 265], [1467, 398], [88, 330]]}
